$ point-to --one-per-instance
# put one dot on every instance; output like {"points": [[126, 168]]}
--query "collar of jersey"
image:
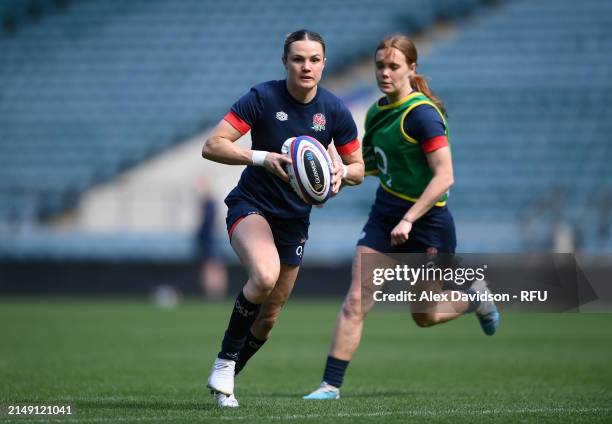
{"points": [[297, 102], [398, 102]]}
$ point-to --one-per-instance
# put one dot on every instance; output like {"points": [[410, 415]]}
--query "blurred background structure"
{"points": [[104, 107]]}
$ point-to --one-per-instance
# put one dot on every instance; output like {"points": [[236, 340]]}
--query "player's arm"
{"points": [[347, 168], [220, 147], [428, 126], [354, 168], [441, 164]]}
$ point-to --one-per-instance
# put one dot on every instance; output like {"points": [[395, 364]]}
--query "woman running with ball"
{"points": [[267, 222]]}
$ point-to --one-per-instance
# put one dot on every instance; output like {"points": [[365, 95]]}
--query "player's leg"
{"points": [[290, 236], [268, 314], [357, 303], [434, 235], [253, 242], [349, 327], [430, 313], [433, 313]]}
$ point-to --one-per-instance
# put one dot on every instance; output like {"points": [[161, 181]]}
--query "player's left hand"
{"points": [[337, 170], [336, 180], [401, 232]]}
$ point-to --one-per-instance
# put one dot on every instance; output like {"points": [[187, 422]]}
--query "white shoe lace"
{"points": [[224, 366]]}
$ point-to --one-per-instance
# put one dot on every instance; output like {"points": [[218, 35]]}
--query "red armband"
{"points": [[237, 122], [434, 144], [348, 148]]}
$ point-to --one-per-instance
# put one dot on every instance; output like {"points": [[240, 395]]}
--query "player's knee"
{"points": [[425, 319], [264, 279]]}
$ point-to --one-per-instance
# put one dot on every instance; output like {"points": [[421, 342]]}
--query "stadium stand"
{"points": [[103, 86], [528, 92], [16, 13]]}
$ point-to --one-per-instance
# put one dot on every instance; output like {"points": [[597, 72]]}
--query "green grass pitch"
{"points": [[127, 361]]}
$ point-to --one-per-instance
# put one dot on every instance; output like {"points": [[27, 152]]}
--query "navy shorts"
{"points": [[433, 233], [290, 235]]}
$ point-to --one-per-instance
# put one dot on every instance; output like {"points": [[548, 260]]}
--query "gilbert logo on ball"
{"points": [[310, 172]]}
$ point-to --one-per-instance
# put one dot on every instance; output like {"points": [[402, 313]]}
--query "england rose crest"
{"points": [[318, 122]]}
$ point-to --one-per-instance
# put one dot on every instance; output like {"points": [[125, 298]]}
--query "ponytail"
{"points": [[419, 83]]}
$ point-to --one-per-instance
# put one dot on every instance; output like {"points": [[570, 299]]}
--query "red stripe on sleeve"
{"points": [[348, 148], [237, 122], [434, 144]]}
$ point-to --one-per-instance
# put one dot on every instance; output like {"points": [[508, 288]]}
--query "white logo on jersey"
{"points": [[299, 251], [383, 165], [281, 116]]}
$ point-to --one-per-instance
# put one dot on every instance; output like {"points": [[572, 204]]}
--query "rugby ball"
{"points": [[310, 172]]}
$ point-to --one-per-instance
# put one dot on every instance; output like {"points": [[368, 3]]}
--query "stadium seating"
{"points": [[105, 85], [89, 92], [528, 92], [16, 13]]}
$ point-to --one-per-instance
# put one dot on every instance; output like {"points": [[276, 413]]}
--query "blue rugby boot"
{"points": [[324, 392], [487, 312]]}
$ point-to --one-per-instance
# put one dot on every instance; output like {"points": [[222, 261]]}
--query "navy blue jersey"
{"points": [[424, 123], [273, 116]]}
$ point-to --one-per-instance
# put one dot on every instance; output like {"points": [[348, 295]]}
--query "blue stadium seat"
{"points": [[104, 85]]}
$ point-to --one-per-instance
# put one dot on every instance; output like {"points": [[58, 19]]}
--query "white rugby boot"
{"points": [[222, 376], [225, 401]]}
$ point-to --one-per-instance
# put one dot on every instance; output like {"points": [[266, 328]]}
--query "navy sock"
{"points": [[243, 316], [334, 371], [473, 303], [250, 348]]}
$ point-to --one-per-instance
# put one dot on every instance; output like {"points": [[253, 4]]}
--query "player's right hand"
{"points": [[401, 233], [276, 163]]}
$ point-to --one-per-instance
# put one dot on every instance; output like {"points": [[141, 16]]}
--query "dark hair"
{"points": [[299, 35], [407, 47]]}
